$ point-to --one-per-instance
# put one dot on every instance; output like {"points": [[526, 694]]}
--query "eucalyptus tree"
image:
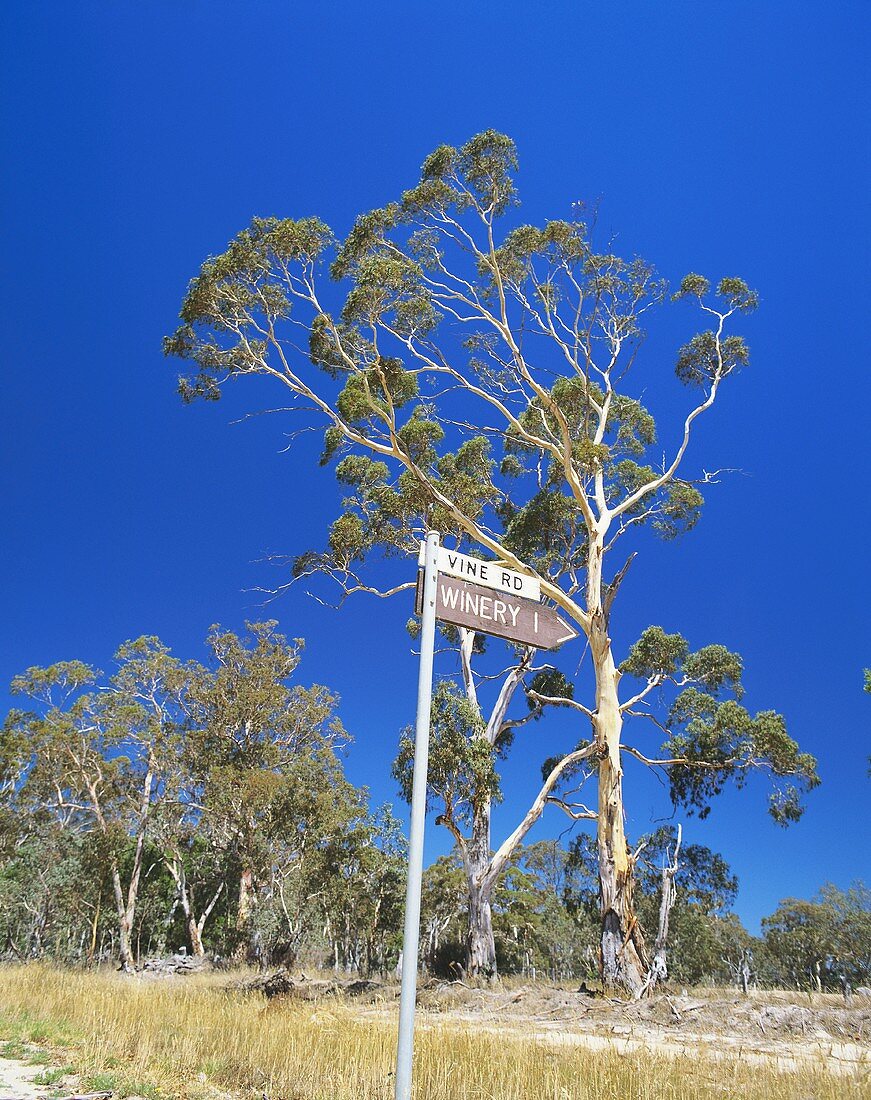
{"points": [[463, 779], [265, 783], [360, 887], [444, 897], [97, 756], [536, 931], [685, 891], [476, 377], [822, 941]]}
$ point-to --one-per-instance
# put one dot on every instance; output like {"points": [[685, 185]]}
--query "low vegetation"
{"points": [[197, 1039]]}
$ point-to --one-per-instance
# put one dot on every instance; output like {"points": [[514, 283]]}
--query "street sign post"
{"points": [[411, 932], [482, 596]]}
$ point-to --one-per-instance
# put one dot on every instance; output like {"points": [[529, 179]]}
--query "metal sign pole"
{"points": [[418, 813]]}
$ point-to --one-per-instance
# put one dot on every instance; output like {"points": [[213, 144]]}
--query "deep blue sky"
{"points": [[720, 138]]}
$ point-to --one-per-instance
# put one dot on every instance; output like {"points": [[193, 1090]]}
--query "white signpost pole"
{"points": [[418, 813]]}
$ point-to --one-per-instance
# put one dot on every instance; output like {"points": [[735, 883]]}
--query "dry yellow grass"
{"points": [[189, 1038]]}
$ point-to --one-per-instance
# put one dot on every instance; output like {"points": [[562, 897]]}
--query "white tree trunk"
{"points": [[659, 964], [480, 944], [243, 913], [623, 955]]}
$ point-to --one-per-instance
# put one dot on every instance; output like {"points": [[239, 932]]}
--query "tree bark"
{"points": [[243, 910], [92, 950], [624, 960], [126, 909], [659, 966], [243, 914], [165, 926], [185, 897], [480, 945], [125, 922]]}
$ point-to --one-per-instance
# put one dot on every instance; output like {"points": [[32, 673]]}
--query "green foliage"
{"points": [[444, 916], [655, 655], [823, 940], [535, 933], [717, 741], [713, 739], [479, 174], [738, 294], [704, 879], [549, 682], [694, 285], [735, 292], [703, 360], [391, 514], [461, 761], [547, 533], [56, 682], [378, 391], [703, 933], [680, 510], [198, 773], [715, 669], [232, 292]]}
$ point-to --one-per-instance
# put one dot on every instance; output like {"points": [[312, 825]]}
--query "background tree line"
{"points": [[178, 804], [204, 806]]}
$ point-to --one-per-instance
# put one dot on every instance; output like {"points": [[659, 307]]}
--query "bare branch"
{"points": [[577, 811], [503, 853]]}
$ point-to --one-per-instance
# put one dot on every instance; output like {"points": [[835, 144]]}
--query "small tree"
{"points": [[444, 899], [264, 783], [360, 885], [98, 760], [475, 380], [822, 941]]}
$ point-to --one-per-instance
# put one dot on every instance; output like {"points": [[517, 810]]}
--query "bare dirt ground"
{"points": [[779, 1029], [17, 1081], [782, 1030]]}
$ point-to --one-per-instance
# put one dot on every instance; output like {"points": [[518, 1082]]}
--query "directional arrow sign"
{"points": [[478, 608], [489, 573]]}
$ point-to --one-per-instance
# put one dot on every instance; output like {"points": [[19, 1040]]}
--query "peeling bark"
{"points": [[480, 945], [659, 966], [243, 912], [624, 961]]}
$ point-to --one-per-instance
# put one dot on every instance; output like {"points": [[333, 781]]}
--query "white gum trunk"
{"points": [[124, 923], [480, 945], [243, 913], [623, 956], [195, 938], [658, 971]]}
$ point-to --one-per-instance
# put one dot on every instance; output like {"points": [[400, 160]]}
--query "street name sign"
{"points": [[490, 574], [528, 622]]}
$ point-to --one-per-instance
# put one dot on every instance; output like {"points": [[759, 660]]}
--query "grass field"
{"points": [[191, 1038]]}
